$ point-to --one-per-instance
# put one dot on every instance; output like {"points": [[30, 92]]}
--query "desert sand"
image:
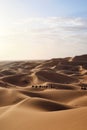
{"points": [[44, 94]]}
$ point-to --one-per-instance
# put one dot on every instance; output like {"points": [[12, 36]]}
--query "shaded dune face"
{"points": [[7, 72], [19, 80], [55, 77], [82, 58], [44, 95]]}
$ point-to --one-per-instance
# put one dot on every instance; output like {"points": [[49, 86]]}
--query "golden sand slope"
{"points": [[56, 100]]}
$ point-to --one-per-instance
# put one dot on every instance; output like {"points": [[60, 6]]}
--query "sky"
{"points": [[42, 29]]}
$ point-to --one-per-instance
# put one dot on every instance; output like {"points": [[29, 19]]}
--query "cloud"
{"points": [[44, 37], [51, 26], [47, 25]]}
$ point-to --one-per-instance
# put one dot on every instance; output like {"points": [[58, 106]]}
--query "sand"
{"points": [[44, 95]]}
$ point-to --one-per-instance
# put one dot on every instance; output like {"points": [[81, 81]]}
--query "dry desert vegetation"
{"points": [[44, 95]]}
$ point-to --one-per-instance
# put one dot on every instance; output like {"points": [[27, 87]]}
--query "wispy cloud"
{"points": [[59, 36], [51, 26]]}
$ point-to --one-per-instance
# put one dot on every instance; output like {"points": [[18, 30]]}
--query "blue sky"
{"points": [[45, 8], [42, 28]]}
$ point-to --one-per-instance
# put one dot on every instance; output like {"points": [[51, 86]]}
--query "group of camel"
{"points": [[42, 86], [45, 86], [84, 88]]}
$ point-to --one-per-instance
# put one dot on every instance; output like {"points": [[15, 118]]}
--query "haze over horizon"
{"points": [[42, 29]]}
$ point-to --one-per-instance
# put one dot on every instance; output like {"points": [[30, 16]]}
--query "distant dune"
{"points": [[44, 95]]}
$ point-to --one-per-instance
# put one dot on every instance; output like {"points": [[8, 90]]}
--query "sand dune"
{"points": [[18, 80], [44, 95], [81, 101], [22, 118], [55, 77], [9, 97], [43, 104]]}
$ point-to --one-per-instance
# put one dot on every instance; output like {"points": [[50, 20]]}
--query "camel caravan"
{"points": [[42, 86], [84, 86]]}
